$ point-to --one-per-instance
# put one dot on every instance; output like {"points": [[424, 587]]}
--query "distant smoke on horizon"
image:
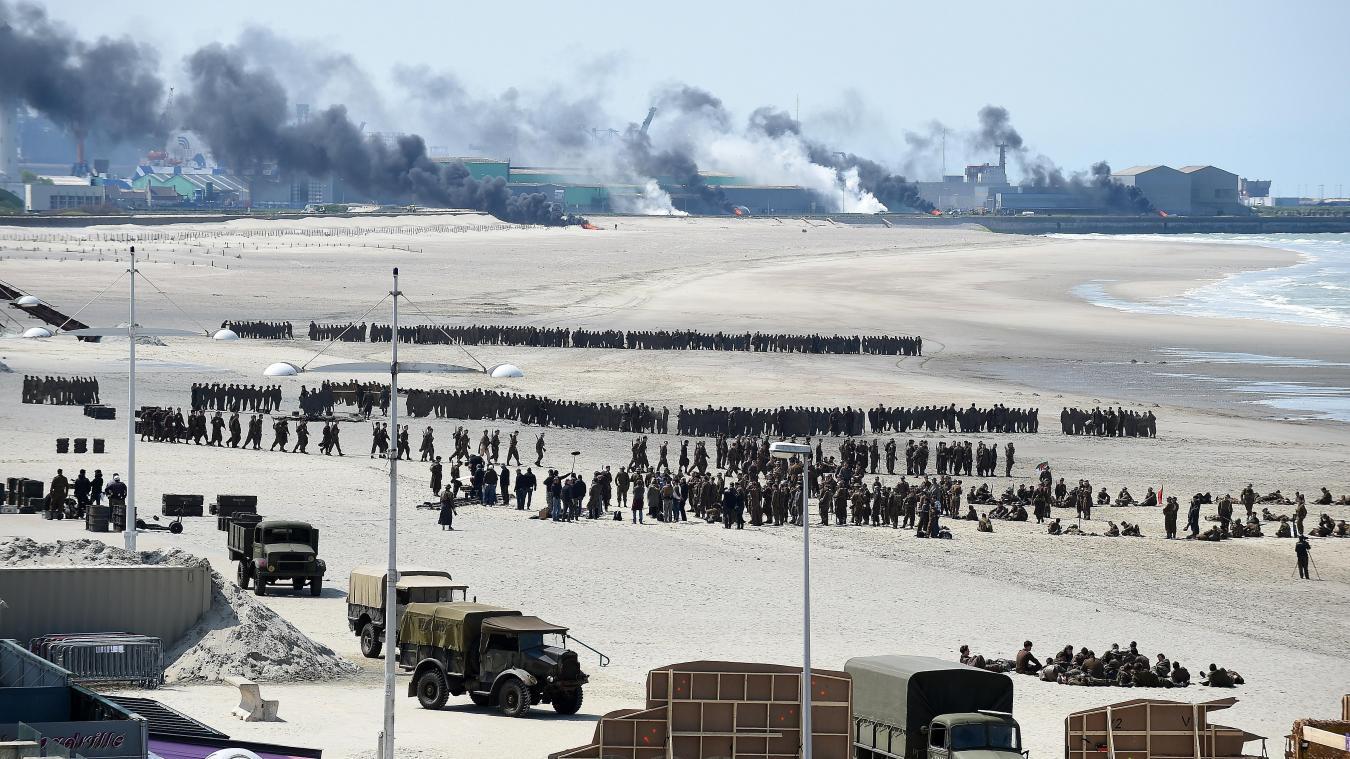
{"points": [[238, 104]]}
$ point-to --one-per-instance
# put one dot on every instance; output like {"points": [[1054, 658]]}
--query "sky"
{"points": [[1258, 88]]}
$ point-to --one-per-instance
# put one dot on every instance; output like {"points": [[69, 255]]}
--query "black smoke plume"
{"points": [[894, 191], [108, 88], [996, 129], [242, 113], [1095, 187]]}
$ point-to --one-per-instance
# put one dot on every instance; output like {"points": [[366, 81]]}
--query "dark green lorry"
{"points": [[498, 656], [275, 552]]}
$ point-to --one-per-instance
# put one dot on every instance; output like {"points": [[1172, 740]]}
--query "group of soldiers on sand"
{"points": [[168, 425], [1125, 668], [1115, 422], [60, 391], [215, 396], [260, 330]]}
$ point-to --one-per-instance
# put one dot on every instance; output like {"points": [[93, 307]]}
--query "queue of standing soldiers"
{"points": [[997, 418], [562, 337], [234, 397], [1109, 423], [260, 330], [60, 391]]}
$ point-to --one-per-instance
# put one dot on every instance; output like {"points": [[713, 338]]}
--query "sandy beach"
{"points": [[1001, 324]]}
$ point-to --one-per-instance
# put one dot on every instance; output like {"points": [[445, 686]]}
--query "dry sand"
{"points": [[1000, 324]]}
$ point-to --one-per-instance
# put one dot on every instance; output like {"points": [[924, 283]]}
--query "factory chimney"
{"points": [[81, 167], [9, 141], [1003, 158]]}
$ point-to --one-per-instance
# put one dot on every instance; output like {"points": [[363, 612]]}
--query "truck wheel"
{"points": [[480, 699], [316, 587], [432, 690], [176, 528], [242, 576], [567, 703], [514, 698], [370, 641], [259, 586]]}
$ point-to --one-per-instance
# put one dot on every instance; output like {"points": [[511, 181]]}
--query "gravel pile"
{"points": [[238, 636]]}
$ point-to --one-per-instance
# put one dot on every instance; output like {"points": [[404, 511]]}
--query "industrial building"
{"points": [[976, 189], [62, 193], [200, 188], [1214, 192], [1167, 189], [583, 190]]}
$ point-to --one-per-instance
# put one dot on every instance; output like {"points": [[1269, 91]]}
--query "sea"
{"points": [[1316, 290], [1313, 291]]}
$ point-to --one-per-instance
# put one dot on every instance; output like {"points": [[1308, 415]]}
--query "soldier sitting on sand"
{"points": [[1325, 528], [1284, 530], [985, 524], [971, 516], [1130, 530], [1112, 531], [1124, 498], [1325, 499], [1180, 677], [1268, 515], [1103, 497], [1054, 528], [1150, 498]]}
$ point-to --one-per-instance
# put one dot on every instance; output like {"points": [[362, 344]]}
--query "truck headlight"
{"points": [[271, 568]]}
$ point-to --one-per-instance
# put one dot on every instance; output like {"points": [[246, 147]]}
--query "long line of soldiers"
{"points": [[260, 330], [562, 337], [1115, 422], [536, 410], [234, 397], [60, 391], [972, 420]]}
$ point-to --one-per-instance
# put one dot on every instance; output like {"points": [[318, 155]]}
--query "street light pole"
{"points": [[784, 450], [806, 610], [129, 524], [391, 571]]}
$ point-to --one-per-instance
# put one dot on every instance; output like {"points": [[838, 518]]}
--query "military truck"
{"points": [[918, 707], [499, 657], [366, 601], [275, 551]]}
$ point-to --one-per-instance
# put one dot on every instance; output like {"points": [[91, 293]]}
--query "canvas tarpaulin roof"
{"points": [[448, 625], [909, 691], [521, 624], [366, 584]]}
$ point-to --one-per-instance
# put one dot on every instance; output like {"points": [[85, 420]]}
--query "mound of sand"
{"points": [[238, 636]]}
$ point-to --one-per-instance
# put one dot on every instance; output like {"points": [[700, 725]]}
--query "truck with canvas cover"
{"points": [[497, 656], [275, 551], [918, 707], [366, 599]]}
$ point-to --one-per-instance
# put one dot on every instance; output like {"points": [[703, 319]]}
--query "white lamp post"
{"points": [[394, 368], [132, 331], [787, 451]]}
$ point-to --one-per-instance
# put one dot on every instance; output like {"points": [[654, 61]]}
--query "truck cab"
{"points": [[275, 551], [366, 607], [975, 735]]}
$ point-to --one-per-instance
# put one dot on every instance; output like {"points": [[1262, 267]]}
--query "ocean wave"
{"points": [[1314, 291]]}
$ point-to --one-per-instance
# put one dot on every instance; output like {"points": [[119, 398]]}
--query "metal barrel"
{"points": [[97, 518]]}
